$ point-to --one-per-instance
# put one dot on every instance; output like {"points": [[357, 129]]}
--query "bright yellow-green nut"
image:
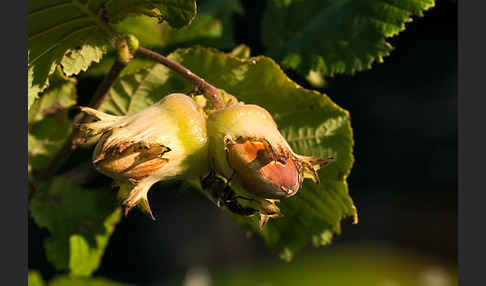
{"points": [[246, 146], [166, 140]]}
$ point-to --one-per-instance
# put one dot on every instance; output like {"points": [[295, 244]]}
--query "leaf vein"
{"points": [[44, 9], [53, 28], [117, 104], [138, 87], [60, 41]]}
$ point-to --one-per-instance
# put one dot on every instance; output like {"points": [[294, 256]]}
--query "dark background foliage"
{"points": [[404, 181]]}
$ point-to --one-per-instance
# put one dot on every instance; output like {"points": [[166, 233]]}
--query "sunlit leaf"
{"points": [[310, 121], [49, 124], [73, 33], [59, 31]]}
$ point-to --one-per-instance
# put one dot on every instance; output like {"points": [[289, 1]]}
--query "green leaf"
{"points": [[207, 29], [212, 27], [60, 32], [33, 90], [82, 281], [80, 222], [310, 121], [331, 37], [73, 33], [48, 123], [34, 278], [177, 13], [58, 97]]}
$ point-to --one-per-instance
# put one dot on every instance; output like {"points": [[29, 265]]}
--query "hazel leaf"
{"points": [[80, 222], [321, 38], [60, 32], [177, 13], [311, 122], [48, 123], [212, 27], [75, 33]]}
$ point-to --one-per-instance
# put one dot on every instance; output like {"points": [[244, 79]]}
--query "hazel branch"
{"points": [[212, 94]]}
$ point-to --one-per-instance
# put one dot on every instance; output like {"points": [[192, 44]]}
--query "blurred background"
{"points": [[404, 184]]}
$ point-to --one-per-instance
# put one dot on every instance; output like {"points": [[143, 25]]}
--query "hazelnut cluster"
{"points": [[237, 147]]}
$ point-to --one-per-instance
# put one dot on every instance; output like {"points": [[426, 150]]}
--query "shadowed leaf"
{"points": [[330, 37], [80, 222]]}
